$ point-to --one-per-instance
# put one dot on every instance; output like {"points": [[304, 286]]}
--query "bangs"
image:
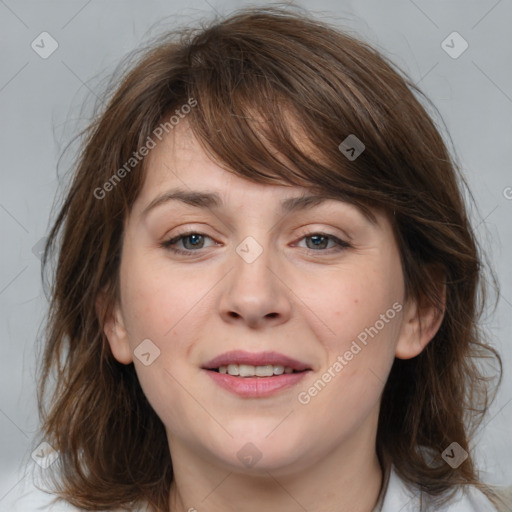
{"points": [[266, 143], [272, 116]]}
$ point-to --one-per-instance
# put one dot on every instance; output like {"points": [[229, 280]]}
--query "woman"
{"points": [[266, 288]]}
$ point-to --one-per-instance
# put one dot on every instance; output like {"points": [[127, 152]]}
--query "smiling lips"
{"points": [[255, 375]]}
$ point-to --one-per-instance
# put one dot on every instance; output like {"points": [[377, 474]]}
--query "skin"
{"points": [[306, 303]]}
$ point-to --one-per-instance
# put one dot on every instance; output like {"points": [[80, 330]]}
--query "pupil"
{"points": [[318, 238], [195, 239]]}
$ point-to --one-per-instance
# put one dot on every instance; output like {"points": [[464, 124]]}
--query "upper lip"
{"points": [[255, 359]]}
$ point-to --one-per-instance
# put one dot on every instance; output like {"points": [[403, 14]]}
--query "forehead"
{"points": [[179, 160]]}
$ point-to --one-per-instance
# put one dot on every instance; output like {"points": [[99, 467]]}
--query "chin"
{"points": [[278, 453]]}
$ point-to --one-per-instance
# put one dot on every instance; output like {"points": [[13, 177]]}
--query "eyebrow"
{"points": [[212, 200]]}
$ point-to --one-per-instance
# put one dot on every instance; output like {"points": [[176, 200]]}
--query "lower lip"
{"points": [[256, 387]]}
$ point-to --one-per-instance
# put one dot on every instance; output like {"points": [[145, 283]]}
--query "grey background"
{"points": [[41, 108]]}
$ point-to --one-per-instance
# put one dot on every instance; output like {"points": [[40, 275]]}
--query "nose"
{"points": [[255, 294]]}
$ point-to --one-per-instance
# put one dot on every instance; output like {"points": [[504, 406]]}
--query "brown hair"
{"points": [[257, 77]]}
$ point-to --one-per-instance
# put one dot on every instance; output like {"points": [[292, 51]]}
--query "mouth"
{"points": [[251, 375]]}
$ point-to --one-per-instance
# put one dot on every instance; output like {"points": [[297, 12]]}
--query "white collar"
{"points": [[397, 495]]}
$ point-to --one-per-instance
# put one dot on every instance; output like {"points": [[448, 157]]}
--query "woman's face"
{"points": [[262, 277]]}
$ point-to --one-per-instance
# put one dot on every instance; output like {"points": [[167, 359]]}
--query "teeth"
{"points": [[248, 370], [279, 370], [264, 371], [232, 369]]}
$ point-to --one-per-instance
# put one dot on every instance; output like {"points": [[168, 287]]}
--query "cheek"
{"points": [[362, 312], [347, 390], [158, 301], [354, 300]]}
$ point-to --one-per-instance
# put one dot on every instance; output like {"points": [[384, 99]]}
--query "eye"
{"points": [[319, 242], [191, 240]]}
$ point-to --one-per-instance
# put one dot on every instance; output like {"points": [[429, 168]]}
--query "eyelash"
{"points": [[167, 244]]}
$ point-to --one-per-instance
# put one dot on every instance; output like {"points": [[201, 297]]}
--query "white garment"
{"points": [[398, 496]]}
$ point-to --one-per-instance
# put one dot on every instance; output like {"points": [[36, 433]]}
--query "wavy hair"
{"points": [[259, 76]]}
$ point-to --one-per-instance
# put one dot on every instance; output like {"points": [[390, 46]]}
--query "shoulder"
{"points": [[28, 497], [400, 496]]}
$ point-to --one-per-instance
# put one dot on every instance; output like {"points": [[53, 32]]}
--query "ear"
{"points": [[420, 322], [111, 320]]}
